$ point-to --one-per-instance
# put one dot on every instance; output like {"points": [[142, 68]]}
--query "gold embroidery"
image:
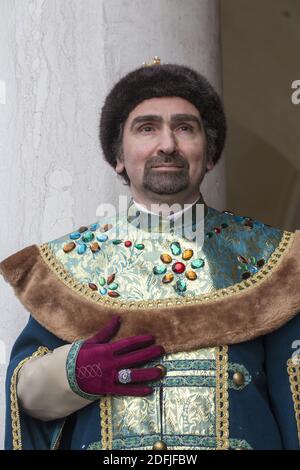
{"points": [[85, 291], [186, 405], [106, 424], [15, 414], [57, 441], [294, 376], [222, 413]]}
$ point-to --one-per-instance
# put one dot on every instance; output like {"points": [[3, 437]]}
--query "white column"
{"points": [[58, 59]]}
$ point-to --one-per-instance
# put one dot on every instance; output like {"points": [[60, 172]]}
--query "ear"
{"points": [[209, 165], [120, 166]]}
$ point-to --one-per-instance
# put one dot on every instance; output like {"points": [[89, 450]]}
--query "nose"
{"points": [[167, 143]]}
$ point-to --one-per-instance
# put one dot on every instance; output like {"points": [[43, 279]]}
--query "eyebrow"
{"points": [[174, 118]]}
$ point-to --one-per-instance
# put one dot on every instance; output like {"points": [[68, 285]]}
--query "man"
{"points": [[222, 309]]}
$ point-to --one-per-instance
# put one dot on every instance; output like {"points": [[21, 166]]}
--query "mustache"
{"points": [[175, 160]]}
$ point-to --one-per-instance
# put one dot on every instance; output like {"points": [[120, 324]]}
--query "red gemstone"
{"points": [[217, 230], [93, 286], [113, 293], [111, 278], [128, 243], [82, 229], [178, 267]]}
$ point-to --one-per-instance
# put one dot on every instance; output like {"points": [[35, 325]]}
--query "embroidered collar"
{"points": [[240, 312]]}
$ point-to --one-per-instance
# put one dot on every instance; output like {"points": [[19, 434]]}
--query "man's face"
{"points": [[164, 147]]}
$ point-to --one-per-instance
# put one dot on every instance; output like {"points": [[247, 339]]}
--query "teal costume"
{"points": [[226, 313]]}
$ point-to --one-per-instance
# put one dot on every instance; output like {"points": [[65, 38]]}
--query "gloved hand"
{"points": [[98, 363]]}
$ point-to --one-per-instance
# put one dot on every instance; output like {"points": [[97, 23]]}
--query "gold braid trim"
{"points": [[14, 406], [222, 405], [293, 368], [106, 423], [85, 291]]}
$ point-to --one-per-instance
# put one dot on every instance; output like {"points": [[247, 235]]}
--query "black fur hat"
{"points": [[157, 81]]}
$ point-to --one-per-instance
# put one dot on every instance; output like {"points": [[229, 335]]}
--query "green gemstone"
{"points": [[159, 269], [181, 285], [210, 234], [87, 236], [244, 267], [175, 248], [113, 286], [140, 246], [102, 281], [252, 260], [117, 242], [224, 225], [198, 263]]}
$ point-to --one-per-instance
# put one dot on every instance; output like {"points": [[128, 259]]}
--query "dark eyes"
{"points": [[152, 127]]}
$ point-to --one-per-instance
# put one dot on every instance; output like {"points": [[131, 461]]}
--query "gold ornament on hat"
{"points": [[155, 61]]}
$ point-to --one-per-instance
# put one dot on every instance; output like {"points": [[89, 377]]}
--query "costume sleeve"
{"points": [[24, 431], [43, 387], [282, 364]]}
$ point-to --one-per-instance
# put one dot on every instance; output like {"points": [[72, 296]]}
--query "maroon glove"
{"points": [[99, 362]]}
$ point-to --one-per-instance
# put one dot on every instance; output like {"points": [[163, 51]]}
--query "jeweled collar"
{"points": [[240, 312]]}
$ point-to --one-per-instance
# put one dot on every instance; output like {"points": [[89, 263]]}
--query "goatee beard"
{"points": [[166, 182]]}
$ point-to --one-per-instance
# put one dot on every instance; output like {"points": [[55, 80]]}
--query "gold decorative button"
{"points": [[164, 370], [238, 378], [159, 445]]}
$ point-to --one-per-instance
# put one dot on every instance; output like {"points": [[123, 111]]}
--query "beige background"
{"points": [[260, 45]]}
